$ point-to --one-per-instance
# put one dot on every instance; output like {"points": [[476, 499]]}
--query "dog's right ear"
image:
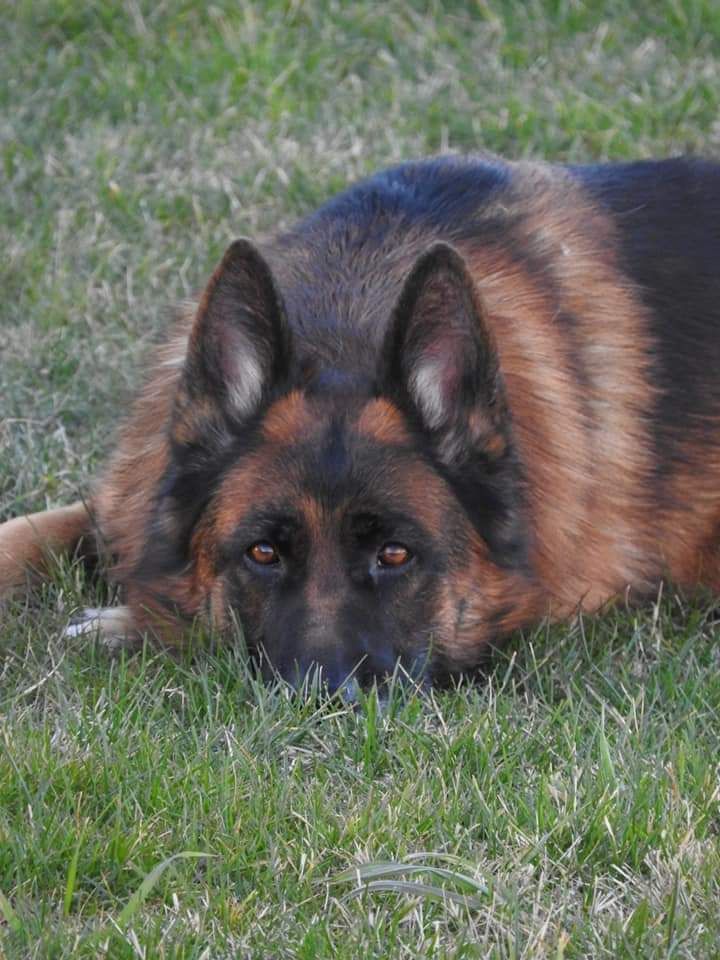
{"points": [[441, 361], [239, 345]]}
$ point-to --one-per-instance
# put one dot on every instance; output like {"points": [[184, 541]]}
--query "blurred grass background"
{"points": [[580, 789]]}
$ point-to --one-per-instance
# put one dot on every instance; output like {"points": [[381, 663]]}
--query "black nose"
{"points": [[329, 669], [331, 676]]}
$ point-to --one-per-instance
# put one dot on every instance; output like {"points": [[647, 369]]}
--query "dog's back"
{"points": [[666, 216]]}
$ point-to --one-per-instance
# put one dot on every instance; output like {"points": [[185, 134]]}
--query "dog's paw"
{"points": [[113, 626]]}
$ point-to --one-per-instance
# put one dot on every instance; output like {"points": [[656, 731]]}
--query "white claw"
{"points": [[113, 626]]}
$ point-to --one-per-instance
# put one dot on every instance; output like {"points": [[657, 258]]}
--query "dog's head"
{"points": [[354, 516]]}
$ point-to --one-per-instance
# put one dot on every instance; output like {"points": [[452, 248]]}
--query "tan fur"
{"points": [[382, 422], [28, 543], [123, 495], [479, 603], [689, 531], [321, 591], [287, 420], [584, 442]]}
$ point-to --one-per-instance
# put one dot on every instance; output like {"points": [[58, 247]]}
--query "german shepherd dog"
{"points": [[462, 396]]}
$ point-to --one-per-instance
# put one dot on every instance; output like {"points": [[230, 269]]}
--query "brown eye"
{"points": [[393, 555], [263, 553]]}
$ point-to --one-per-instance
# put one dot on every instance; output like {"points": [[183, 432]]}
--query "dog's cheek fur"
{"points": [[479, 603], [125, 496]]}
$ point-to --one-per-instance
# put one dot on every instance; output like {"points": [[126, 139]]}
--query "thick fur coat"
{"points": [[461, 396]]}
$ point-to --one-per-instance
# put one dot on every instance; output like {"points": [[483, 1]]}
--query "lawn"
{"points": [[152, 807]]}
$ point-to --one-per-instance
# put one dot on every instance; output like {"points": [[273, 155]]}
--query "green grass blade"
{"points": [[367, 872], [138, 898], [11, 918], [72, 875], [149, 882], [423, 890]]}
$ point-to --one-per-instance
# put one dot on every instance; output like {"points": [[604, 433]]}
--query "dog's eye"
{"points": [[393, 555], [263, 553]]}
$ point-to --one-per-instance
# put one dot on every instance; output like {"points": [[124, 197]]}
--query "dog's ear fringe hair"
{"points": [[440, 356], [239, 347]]}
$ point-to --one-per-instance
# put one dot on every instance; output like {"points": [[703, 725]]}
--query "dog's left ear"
{"points": [[440, 358]]}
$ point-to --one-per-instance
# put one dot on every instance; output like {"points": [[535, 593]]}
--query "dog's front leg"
{"points": [[28, 544]]}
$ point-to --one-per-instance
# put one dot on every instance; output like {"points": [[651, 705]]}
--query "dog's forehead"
{"points": [[332, 447], [320, 457], [356, 445], [298, 417]]}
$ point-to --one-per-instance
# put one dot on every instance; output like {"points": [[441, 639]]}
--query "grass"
{"points": [[571, 807]]}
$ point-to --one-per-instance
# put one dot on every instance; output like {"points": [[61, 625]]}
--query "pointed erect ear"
{"points": [[239, 346], [441, 357]]}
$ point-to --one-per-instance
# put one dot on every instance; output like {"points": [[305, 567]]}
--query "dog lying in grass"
{"points": [[460, 397]]}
